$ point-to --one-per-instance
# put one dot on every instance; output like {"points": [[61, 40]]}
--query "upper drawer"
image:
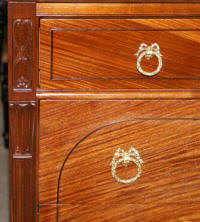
{"points": [[101, 53]]}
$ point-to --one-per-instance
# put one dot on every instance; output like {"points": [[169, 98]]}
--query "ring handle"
{"points": [[121, 156], [148, 52]]}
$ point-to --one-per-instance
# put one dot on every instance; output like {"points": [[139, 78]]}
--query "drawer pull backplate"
{"points": [[121, 156], [148, 52]]}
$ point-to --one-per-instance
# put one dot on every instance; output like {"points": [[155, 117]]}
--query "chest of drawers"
{"points": [[104, 111]]}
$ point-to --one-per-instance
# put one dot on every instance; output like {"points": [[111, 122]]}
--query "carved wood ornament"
{"points": [[23, 111], [22, 115], [22, 54], [22, 148], [97, 140]]}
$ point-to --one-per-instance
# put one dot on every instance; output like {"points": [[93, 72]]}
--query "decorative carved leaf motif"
{"points": [[22, 54], [23, 128], [21, 31], [22, 69]]}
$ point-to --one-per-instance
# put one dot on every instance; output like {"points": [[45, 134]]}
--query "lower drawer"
{"points": [[119, 161]]}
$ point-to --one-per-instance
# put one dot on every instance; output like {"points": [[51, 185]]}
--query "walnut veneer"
{"points": [[76, 95]]}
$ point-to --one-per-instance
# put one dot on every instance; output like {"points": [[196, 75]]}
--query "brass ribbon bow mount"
{"points": [[121, 156], [148, 52]]}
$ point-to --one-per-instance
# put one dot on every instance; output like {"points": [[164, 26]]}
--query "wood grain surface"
{"points": [[22, 76], [108, 1], [23, 51], [100, 53], [133, 213], [67, 176], [76, 148], [119, 94], [151, 9], [22, 141]]}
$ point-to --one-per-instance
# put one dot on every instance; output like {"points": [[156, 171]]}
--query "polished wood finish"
{"points": [[53, 126], [75, 167], [166, 209], [23, 134], [100, 53], [44, 9], [75, 96], [22, 41], [22, 161], [23, 109], [115, 95], [22, 54], [108, 1]]}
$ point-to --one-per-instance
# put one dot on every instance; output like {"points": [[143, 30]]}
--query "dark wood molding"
{"points": [[22, 161], [23, 109], [22, 40], [108, 1], [22, 54], [120, 94], [117, 9], [23, 133], [23, 198]]}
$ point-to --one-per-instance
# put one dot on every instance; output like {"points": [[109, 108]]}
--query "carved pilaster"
{"points": [[22, 117], [23, 109], [23, 51], [22, 153], [22, 54], [23, 198]]}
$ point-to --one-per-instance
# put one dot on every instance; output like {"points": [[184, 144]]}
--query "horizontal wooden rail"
{"points": [[111, 9], [133, 94]]}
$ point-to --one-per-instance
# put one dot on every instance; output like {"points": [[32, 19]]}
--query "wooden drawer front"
{"points": [[100, 53], [76, 150]]}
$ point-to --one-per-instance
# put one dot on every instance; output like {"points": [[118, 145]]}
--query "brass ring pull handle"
{"points": [[148, 52], [120, 156]]}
